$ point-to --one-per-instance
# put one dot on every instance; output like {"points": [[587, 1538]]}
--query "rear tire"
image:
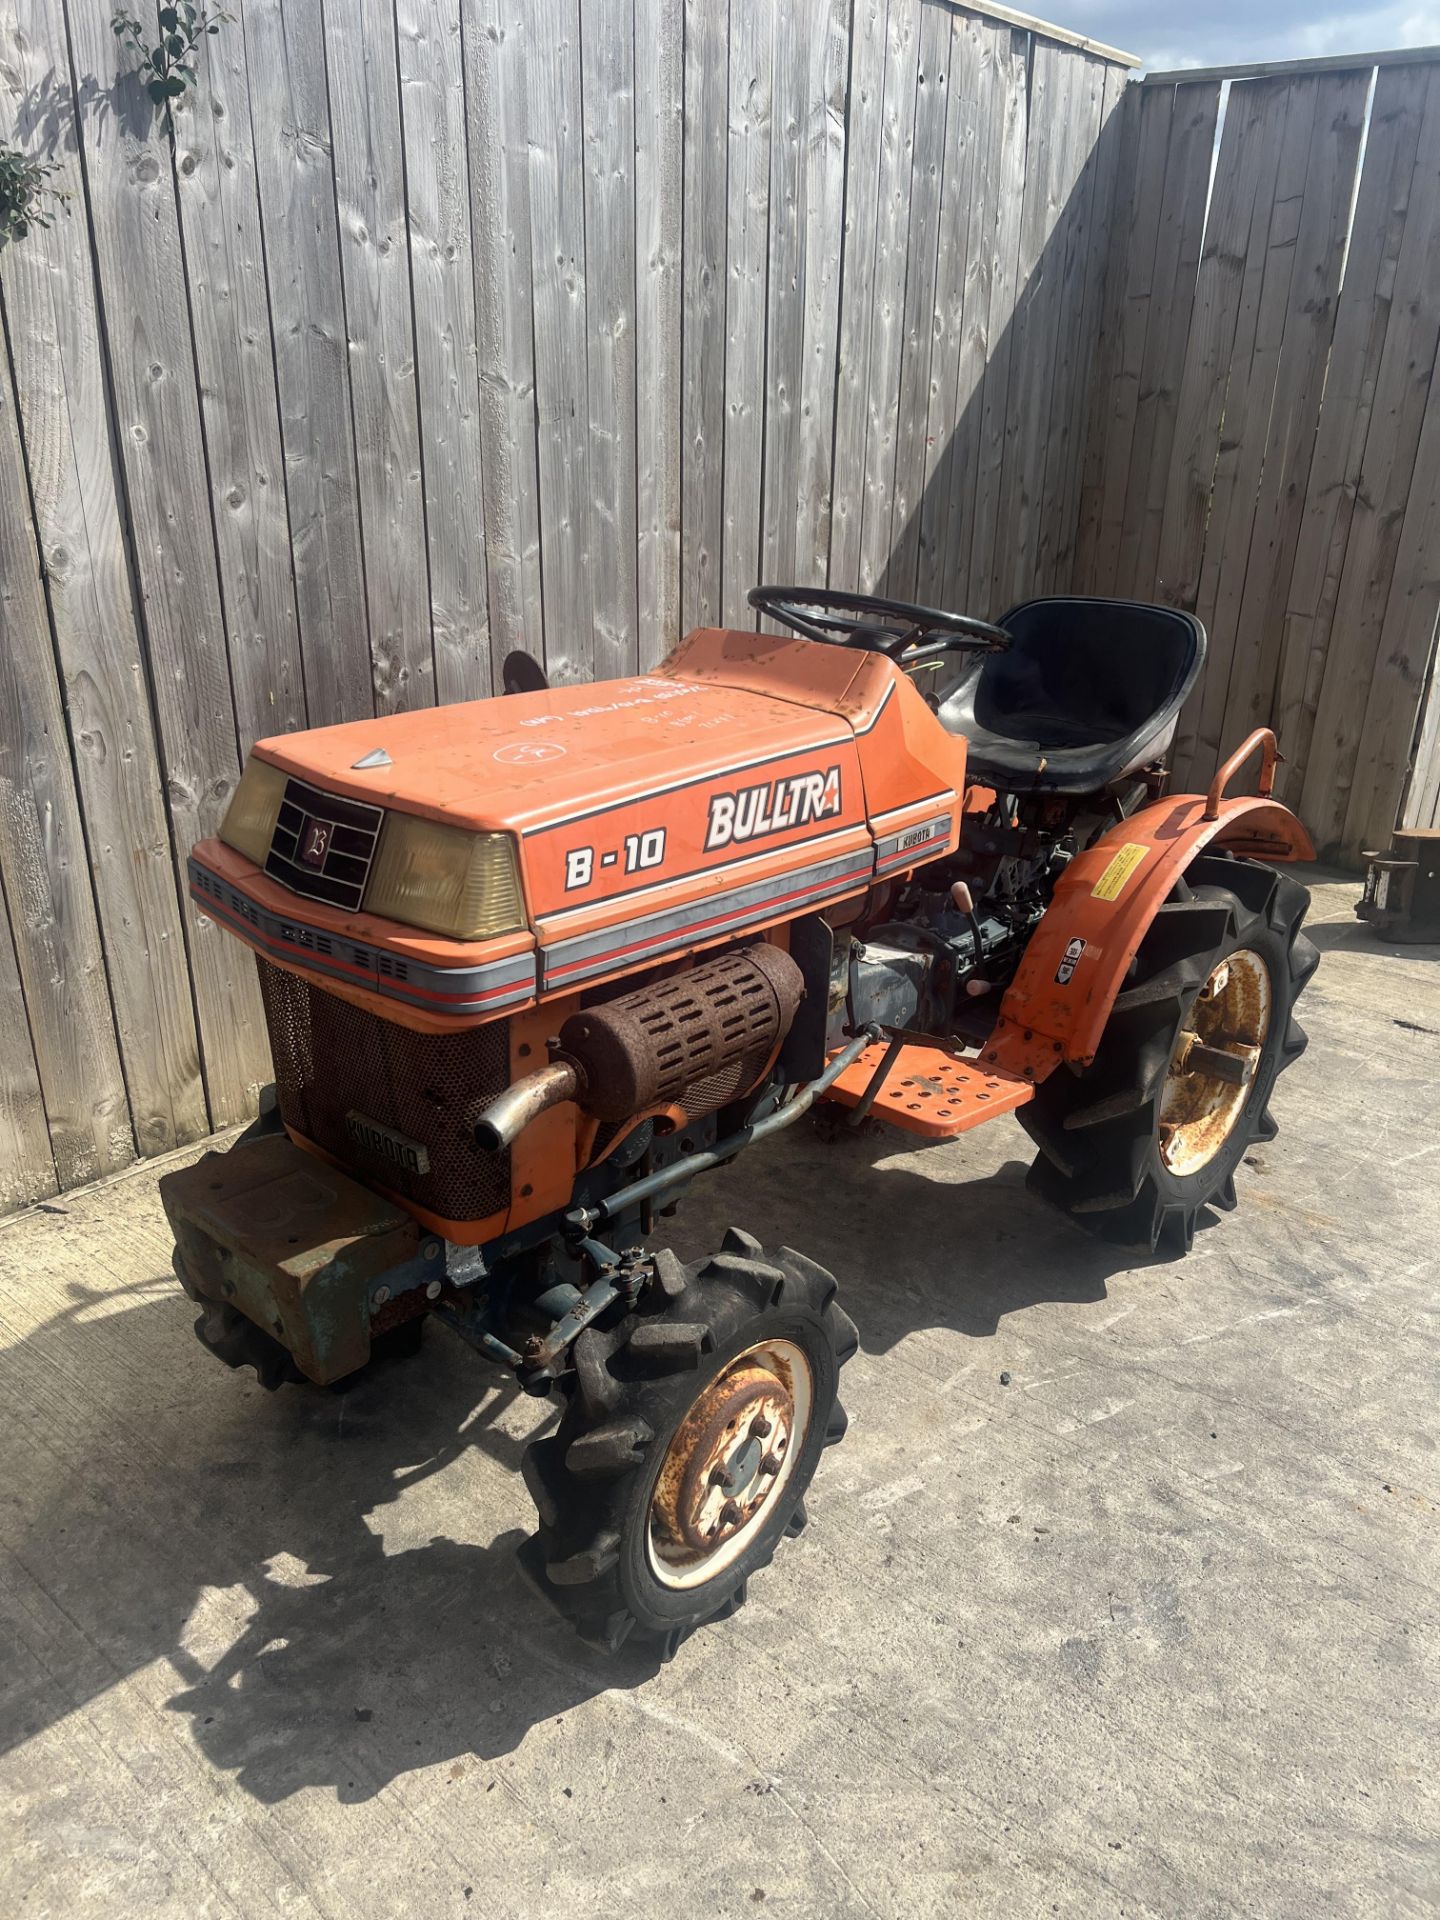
{"points": [[692, 1431], [1121, 1149]]}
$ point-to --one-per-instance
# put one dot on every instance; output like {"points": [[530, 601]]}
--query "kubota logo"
{"points": [[794, 800]]}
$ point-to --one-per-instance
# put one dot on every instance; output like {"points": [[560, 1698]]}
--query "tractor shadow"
{"points": [[332, 1579], [275, 1553], [916, 1238]]}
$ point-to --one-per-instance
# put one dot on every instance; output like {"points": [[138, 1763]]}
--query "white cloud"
{"points": [[1370, 30], [1221, 32]]}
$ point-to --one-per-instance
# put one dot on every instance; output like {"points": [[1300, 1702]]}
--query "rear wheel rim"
{"points": [[1216, 1057], [728, 1466]]}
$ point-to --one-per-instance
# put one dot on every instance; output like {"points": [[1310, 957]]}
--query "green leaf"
{"points": [[169, 19], [174, 86], [176, 45]]}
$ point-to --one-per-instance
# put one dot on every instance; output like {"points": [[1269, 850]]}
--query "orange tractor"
{"points": [[530, 965]]}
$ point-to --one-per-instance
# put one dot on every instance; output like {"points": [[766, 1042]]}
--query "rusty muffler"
{"points": [[697, 1039]]}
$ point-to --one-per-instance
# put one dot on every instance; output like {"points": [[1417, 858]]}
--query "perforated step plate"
{"points": [[930, 1092]]}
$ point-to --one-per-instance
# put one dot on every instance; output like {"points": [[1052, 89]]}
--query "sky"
{"points": [[1212, 33]]}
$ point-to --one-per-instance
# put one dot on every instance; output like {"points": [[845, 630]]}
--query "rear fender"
{"points": [[1076, 963]]}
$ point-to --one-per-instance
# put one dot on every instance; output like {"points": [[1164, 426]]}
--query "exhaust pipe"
{"points": [[505, 1119]]}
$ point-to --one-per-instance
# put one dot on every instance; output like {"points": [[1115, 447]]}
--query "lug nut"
{"points": [[771, 1463], [759, 1427], [729, 1514], [720, 1477]]}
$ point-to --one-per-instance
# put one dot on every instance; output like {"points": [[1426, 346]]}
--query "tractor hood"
{"points": [[525, 761], [749, 780], [647, 813]]}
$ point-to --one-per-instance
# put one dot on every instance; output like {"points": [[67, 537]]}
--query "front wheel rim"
{"points": [[729, 1463], [1214, 1062]]}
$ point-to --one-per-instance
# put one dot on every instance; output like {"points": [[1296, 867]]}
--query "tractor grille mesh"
{"points": [[333, 1060]]}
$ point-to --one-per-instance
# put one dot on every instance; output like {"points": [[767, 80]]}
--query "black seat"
{"points": [[1088, 691]]}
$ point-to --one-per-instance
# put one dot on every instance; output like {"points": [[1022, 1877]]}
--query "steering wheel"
{"points": [[903, 632]]}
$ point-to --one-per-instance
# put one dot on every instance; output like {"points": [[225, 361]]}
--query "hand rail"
{"points": [[1264, 739]]}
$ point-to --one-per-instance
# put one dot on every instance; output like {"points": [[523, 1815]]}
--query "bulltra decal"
{"points": [[750, 813]]}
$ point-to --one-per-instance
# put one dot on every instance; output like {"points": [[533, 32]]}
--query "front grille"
{"points": [[323, 845], [371, 1092]]}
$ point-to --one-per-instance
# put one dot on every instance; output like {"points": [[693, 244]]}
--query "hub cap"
{"points": [[727, 1467], [1214, 1062]]}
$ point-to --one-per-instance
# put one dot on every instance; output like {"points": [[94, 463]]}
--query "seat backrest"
{"points": [[1081, 670]]}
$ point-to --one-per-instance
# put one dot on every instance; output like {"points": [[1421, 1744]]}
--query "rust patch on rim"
{"points": [[729, 1460], [1214, 1062]]}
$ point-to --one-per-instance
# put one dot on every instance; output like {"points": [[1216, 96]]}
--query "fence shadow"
{"points": [[999, 518], [52, 112]]}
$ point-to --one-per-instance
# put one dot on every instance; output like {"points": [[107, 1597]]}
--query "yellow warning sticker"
{"points": [[1111, 883]]}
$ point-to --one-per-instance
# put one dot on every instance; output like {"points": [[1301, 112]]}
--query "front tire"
{"points": [[691, 1433], [1150, 1134]]}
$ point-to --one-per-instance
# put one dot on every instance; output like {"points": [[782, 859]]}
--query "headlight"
{"points": [[254, 805], [445, 879]]}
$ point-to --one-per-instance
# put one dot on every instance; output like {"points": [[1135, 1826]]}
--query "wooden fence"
{"points": [[436, 328], [1265, 438]]}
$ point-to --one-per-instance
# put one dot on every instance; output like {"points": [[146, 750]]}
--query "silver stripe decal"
{"points": [[639, 941], [469, 989], [913, 841]]}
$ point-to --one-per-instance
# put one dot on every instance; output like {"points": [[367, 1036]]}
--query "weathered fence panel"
{"points": [[220, 220], [419, 332], [659, 192], [496, 103], [1286, 491], [447, 376], [290, 116], [27, 1163], [42, 855], [608, 94]]}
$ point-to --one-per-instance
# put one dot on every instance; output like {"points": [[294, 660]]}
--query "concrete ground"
{"points": [[1150, 1631]]}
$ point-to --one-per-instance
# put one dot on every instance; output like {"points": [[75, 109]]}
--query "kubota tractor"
{"points": [[531, 964]]}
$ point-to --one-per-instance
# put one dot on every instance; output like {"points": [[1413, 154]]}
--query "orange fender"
{"points": [[1058, 1003]]}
